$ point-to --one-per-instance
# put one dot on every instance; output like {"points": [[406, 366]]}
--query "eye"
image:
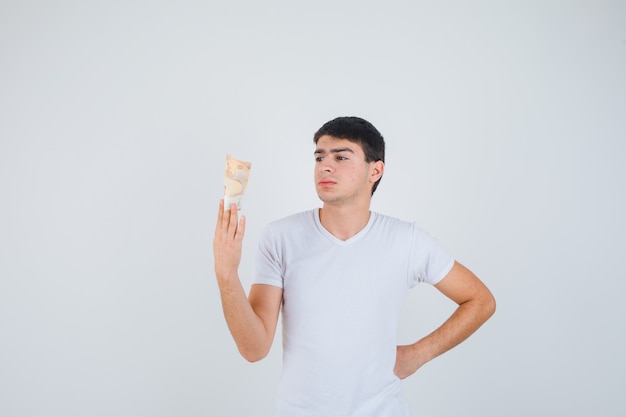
{"points": [[341, 158], [319, 158]]}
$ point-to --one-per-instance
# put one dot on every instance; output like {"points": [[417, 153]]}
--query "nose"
{"points": [[325, 166]]}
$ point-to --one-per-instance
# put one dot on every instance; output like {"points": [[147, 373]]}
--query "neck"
{"points": [[344, 222]]}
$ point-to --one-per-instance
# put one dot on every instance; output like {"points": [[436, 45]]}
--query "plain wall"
{"points": [[506, 127]]}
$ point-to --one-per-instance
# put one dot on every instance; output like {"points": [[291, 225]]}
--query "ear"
{"points": [[376, 170]]}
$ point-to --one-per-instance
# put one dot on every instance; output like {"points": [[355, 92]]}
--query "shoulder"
{"points": [[287, 231], [399, 227], [293, 219], [289, 224], [389, 223]]}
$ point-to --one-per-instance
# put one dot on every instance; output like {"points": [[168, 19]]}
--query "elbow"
{"points": [[253, 358], [483, 306], [253, 355], [489, 306]]}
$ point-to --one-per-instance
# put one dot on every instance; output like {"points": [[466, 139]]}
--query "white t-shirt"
{"points": [[341, 305]]}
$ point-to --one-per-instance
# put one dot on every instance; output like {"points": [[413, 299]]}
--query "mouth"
{"points": [[326, 183]]}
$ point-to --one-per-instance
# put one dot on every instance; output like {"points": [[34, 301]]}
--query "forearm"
{"points": [[466, 319], [246, 327]]}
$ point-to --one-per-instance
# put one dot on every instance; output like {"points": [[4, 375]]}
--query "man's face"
{"points": [[341, 173]]}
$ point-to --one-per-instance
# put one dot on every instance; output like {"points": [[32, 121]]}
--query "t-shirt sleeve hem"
{"points": [[444, 272], [268, 281]]}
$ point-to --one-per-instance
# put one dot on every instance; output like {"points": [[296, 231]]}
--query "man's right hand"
{"points": [[227, 242]]}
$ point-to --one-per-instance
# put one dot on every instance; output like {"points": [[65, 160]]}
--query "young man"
{"points": [[341, 274]]}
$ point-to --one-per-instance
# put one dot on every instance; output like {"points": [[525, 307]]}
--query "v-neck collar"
{"points": [[335, 239]]}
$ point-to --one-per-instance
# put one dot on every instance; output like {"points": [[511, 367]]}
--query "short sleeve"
{"points": [[429, 261], [269, 265]]}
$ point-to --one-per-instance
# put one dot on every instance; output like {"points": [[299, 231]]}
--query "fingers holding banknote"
{"points": [[227, 243]]}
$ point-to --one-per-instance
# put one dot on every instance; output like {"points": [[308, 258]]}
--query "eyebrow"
{"points": [[335, 150]]}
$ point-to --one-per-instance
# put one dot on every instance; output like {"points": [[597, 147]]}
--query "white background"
{"points": [[506, 127]]}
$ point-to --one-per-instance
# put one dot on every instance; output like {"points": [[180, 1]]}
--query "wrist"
{"points": [[420, 352], [225, 276]]}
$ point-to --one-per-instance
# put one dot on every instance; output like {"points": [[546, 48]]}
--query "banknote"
{"points": [[236, 176]]}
